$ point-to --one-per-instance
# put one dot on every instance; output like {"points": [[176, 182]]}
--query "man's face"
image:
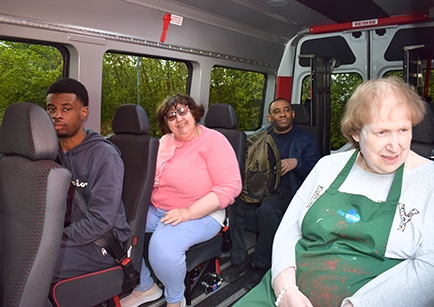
{"points": [[67, 113], [282, 113]]}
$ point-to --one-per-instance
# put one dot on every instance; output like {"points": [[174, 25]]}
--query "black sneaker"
{"points": [[255, 278], [232, 273]]}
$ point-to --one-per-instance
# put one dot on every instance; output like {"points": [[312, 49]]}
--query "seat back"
{"points": [[222, 117], [139, 154], [33, 192], [423, 134], [302, 119]]}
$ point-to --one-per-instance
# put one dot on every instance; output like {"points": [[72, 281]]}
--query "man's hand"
{"points": [[288, 165]]}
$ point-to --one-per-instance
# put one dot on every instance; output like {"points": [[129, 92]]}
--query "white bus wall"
{"points": [[90, 28]]}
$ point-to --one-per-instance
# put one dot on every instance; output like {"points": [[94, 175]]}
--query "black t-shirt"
{"points": [[283, 143]]}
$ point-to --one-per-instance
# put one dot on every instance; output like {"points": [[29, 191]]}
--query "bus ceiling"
{"points": [[285, 18], [369, 23]]}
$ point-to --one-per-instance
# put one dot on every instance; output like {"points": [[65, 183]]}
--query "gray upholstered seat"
{"points": [[423, 134], [221, 117], [33, 192], [302, 119]]}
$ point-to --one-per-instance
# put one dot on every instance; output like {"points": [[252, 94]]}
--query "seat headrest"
{"points": [[221, 115], [28, 131], [130, 118], [424, 131], [302, 116]]}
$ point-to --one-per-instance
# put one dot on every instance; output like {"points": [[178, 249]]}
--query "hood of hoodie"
{"points": [[93, 148], [90, 140]]}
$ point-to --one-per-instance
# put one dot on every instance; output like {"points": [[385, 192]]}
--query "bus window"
{"points": [[342, 86], [27, 70], [139, 80], [244, 90], [430, 96]]}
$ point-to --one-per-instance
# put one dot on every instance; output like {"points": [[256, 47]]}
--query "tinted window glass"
{"points": [[139, 80], [244, 90], [26, 71]]}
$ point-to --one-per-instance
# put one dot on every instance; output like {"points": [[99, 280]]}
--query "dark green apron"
{"points": [[344, 239]]}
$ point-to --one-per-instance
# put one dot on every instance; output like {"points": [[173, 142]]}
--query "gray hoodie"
{"points": [[97, 172]]}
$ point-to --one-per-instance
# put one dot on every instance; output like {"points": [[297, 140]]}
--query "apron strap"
{"points": [[395, 189], [344, 173]]}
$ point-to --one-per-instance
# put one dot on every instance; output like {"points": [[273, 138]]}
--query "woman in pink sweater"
{"points": [[196, 178]]}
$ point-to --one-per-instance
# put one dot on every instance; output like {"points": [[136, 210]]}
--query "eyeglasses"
{"points": [[182, 111]]}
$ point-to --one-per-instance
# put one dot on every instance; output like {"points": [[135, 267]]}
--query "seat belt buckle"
{"points": [[127, 266]]}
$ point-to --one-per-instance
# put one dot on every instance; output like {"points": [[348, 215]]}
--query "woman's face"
{"points": [[181, 122], [385, 141]]}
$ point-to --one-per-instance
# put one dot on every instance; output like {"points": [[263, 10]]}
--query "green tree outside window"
{"points": [[26, 71], [139, 80], [341, 88], [244, 90]]}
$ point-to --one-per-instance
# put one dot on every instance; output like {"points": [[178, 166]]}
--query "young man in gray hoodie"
{"points": [[97, 174]]}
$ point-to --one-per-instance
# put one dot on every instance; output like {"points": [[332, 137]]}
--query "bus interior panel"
{"points": [[245, 53]]}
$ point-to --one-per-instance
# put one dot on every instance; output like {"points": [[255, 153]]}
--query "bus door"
{"points": [[404, 50], [355, 56], [327, 67]]}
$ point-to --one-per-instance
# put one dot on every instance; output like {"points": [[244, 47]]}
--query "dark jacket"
{"points": [[97, 172], [304, 148]]}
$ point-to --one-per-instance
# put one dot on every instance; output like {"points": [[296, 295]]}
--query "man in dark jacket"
{"points": [[97, 174], [299, 153]]}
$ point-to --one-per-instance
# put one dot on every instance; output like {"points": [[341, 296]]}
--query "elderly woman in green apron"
{"points": [[359, 231]]}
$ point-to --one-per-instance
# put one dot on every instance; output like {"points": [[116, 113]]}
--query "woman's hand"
{"points": [[176, 216], [291, 297], [294, 298]]}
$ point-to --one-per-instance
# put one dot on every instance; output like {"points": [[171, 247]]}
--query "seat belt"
{"points": [[108, 240]]}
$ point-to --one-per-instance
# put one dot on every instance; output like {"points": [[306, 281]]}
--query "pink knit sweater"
{"points": [[187, 171]]}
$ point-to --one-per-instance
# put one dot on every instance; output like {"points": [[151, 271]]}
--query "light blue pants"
{"points": [[167, 249]]}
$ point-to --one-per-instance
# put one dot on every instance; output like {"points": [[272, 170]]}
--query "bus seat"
{"points": [[302, 119], [139, 154], [201, 258], [423, 134], [131, 126], [33, 191], [221, 117]]}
